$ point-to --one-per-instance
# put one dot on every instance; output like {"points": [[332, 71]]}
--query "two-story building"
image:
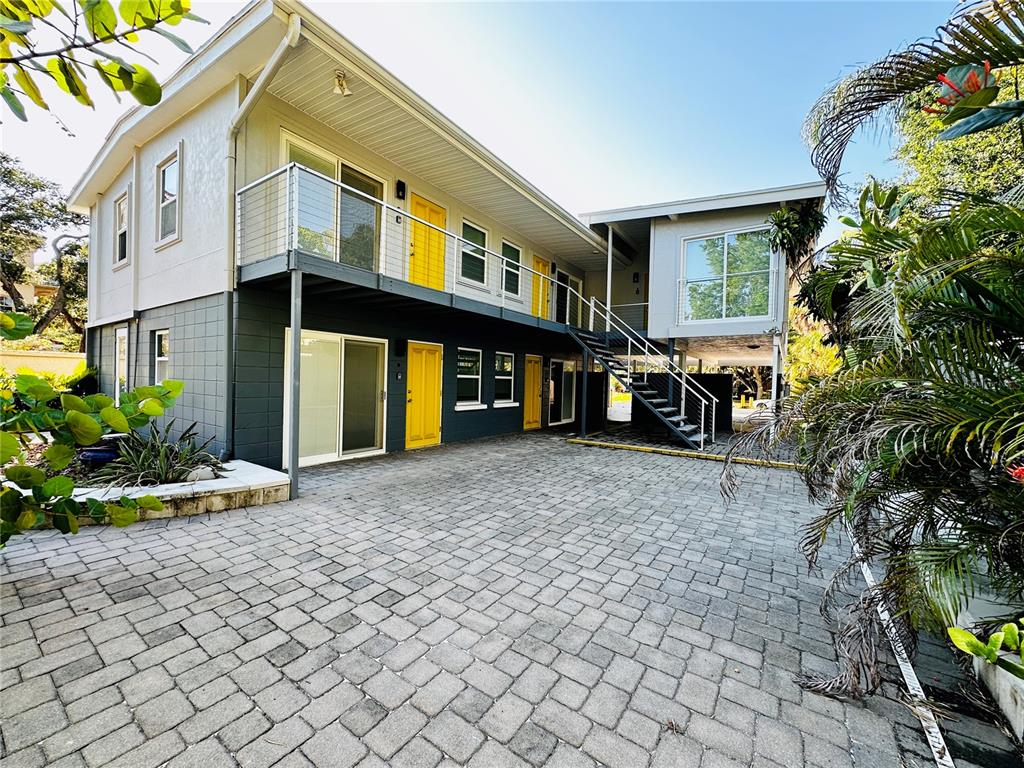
{"points": [[335, 269]]}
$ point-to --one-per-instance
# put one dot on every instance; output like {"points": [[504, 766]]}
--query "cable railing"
{"points": [[634, 313], [297, 209]]}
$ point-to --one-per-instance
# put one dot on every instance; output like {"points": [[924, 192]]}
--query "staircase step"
{"points": [[667, 409], [656, 400]]}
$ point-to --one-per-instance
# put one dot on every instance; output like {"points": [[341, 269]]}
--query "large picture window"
{"points": [[473, 266], [726, 276]]}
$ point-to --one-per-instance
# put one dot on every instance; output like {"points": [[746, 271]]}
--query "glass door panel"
{"points": [[362, 425], [562, 392], [568, 391], [319, 383], [360, 219], [317, 202]]}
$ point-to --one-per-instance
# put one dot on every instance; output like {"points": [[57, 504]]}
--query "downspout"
{"points": [[289, 41]]}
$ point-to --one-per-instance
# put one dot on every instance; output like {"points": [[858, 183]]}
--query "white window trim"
{"points": [[174, 237], [119, 332], [511, 376], [463, 246], [771, 271], [505, 269], [125, 198], [156, 351], [470, 405]]}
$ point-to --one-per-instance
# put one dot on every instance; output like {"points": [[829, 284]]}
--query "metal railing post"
{"points": [[702, 424], [293, 210]]}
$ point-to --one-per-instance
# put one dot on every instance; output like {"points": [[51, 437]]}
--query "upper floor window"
{"points": [[473, 266], [726, 276], [513, 258], [168, 198], [161, 355], [121, 230]]}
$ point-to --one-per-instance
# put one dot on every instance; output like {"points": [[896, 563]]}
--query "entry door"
{"points": [[423, 399], [562, 392], [362, 416], [426, 250], [541, 287], [567, 303], [532, 393]]}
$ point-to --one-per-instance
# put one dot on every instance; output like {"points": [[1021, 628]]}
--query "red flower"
{"points": [[1017, 473], [959, 83]]}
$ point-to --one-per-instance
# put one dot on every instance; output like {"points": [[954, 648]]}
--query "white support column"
{"points": [[293, 384], [608, 282]]}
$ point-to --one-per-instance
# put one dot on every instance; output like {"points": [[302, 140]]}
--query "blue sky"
{"points": [[600, 105]]}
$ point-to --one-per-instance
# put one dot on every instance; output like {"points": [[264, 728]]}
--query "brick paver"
{"points": [[516, 601]]}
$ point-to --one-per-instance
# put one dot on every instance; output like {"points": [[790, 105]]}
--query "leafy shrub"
{"points": [[1009, 637], [156, 458]]}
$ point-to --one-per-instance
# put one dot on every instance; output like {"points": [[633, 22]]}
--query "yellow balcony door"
{"points": [[531, 393], [426, 251], [541, 287], [423, 398]]}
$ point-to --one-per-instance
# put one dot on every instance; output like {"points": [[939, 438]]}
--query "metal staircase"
{"points": [[685, 408]]}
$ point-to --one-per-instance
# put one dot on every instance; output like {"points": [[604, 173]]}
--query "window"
{"points": [[504, 370], [726, 276], [120, 363], [168, 185], [467, 390], [513, 257], [121, 230], [161, 355], [474, 262]]}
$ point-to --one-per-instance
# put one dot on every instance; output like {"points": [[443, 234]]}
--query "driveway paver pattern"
{"points": [[508, 602]]}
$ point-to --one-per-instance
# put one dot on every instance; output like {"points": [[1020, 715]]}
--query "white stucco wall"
{"points": [[667, 239], [195, 264]]}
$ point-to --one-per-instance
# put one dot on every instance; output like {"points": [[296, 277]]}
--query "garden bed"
{"points": [[243, 485]]}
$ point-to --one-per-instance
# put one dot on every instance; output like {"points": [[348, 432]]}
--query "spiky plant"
{"points": [[914, 445]]}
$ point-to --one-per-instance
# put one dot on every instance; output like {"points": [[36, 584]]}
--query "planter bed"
{"points": [[243, 485]]}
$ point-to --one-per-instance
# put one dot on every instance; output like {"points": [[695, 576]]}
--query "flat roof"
{"points": [[808, 190]]}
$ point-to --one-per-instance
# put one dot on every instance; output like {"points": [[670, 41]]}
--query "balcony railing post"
{"points": [[590, 324], [702, 424], [293, 208]]}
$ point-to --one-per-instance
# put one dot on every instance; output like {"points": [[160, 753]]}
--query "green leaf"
{"points": [[121, 516], [100, 18], [26, 520], [74, 403], [24, 476], [970, 104], [9, 447], [97, 509], [15, 325], [177, 41], [36, 388], [1011, 636], [984, 119], [11, 503], [173, 386], [15, 26], [967, 642], [995, 643], [149, 502], [145, 88], [59, 486], [68, 80], [58, 456], [151, 407], [15, 105], [115, 419], [28, 85], [98, 402], [84, 429]]}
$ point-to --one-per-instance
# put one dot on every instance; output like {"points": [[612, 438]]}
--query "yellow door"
{"points": [[426, 251], [541, 287], [423, 400], [531, 393]]}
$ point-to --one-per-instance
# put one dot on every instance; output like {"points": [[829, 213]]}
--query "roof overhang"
{"points": [[770, 196], [385, 116]]}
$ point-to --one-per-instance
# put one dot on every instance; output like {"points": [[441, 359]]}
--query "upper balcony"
{"points": [[296, 217]]}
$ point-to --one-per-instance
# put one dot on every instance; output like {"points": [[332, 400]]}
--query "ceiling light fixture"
{"points": [[341, 84]]}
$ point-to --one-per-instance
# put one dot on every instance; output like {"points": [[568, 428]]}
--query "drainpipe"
{"points": [[289, 41]]}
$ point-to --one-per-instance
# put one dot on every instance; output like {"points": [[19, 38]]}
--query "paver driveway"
{"points": [[506, 602]]}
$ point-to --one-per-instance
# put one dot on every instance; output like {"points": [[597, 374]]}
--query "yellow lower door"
{"points": [[541, 287], [423, 399], [531, 393], [426, 249]]}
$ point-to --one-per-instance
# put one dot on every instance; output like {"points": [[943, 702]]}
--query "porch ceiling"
{"points": [[730, 350], [386, 124]]}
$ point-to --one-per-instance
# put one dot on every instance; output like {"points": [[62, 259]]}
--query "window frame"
{"points": [[724, 278], [121, 332], [157, 359], [466, 247], [506, 270], [511, 376], [125, 200], [161, 240], [467, 405]]}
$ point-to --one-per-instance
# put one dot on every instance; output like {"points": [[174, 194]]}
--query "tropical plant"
{"points": [[42, 38], [34, 414], [913, 446], [992, 651], [156, 457], [983, 34]]}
